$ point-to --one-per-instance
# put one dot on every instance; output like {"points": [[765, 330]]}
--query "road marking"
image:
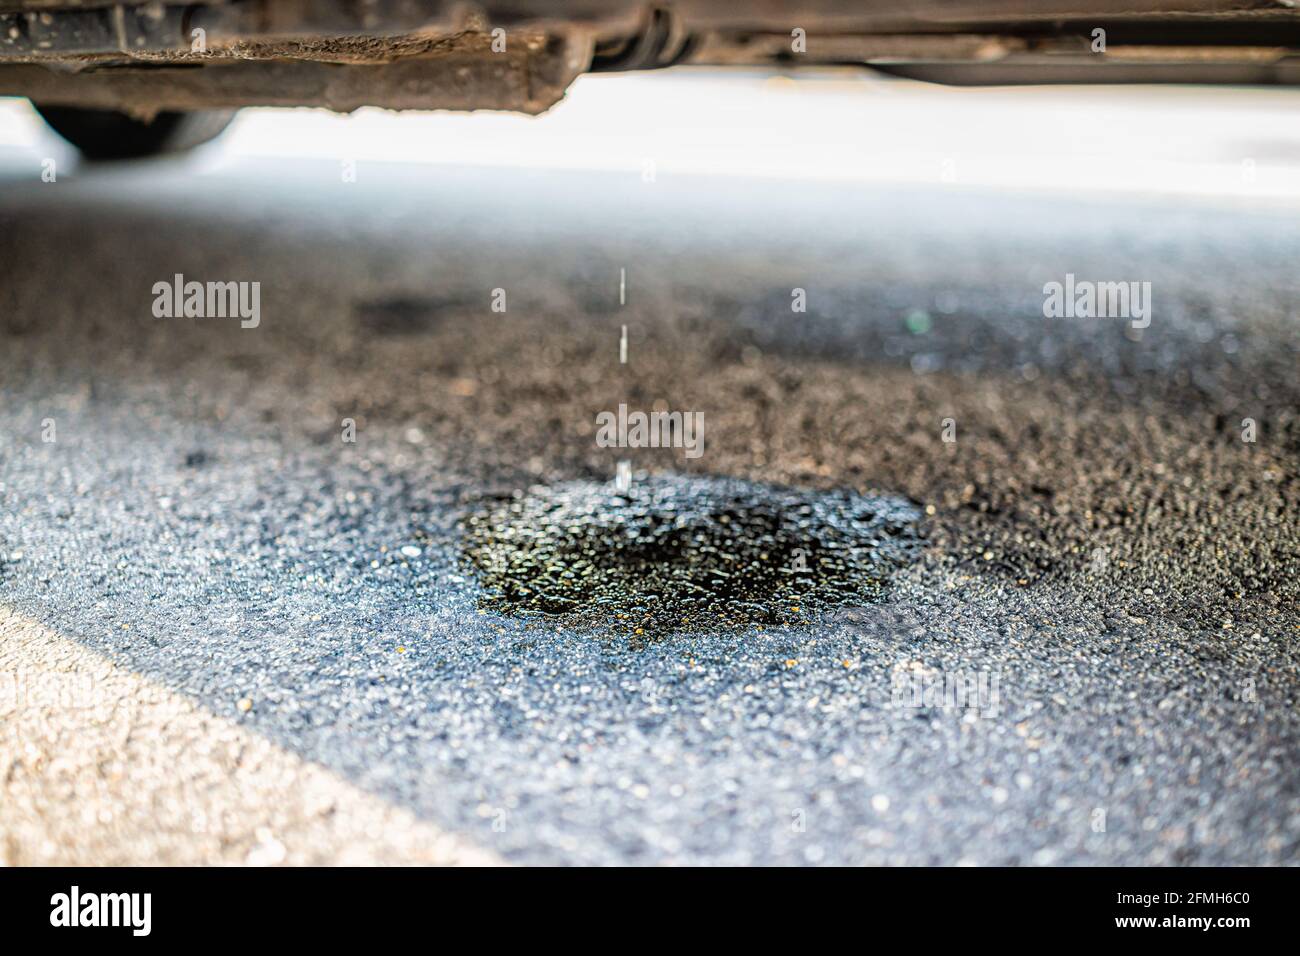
{"points": [[101, 766]]}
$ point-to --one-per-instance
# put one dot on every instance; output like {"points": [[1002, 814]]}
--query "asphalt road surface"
{"points": [[231, 634]]}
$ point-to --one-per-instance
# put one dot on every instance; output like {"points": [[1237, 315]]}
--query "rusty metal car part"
{"points": [[522, 54], [529, 79]]}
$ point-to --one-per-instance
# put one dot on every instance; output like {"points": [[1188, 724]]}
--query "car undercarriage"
{"points": [[143, 59]]}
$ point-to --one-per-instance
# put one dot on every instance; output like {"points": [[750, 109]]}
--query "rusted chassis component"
{"points": [[528, 79], [521, 55]]}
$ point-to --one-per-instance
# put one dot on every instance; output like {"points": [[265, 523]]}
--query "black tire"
{"points": [[104, 134]]}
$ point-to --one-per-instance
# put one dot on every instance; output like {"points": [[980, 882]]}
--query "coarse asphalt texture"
{"points": [[1104, 562]]}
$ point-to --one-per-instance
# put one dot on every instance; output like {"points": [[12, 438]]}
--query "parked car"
{"points": [[132, 79]]}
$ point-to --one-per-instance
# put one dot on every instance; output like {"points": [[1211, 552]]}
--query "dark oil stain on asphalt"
{"points": [[406, 315], [680, 554]]}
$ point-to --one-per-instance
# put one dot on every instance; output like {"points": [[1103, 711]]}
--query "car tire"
{"points": [[105, 134]]}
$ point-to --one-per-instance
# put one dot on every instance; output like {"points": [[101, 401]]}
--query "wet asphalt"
{"points": [[1097, 555]]}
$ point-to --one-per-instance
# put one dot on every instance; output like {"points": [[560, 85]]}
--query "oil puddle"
{"points": [[683, 554], [406, 315]]}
